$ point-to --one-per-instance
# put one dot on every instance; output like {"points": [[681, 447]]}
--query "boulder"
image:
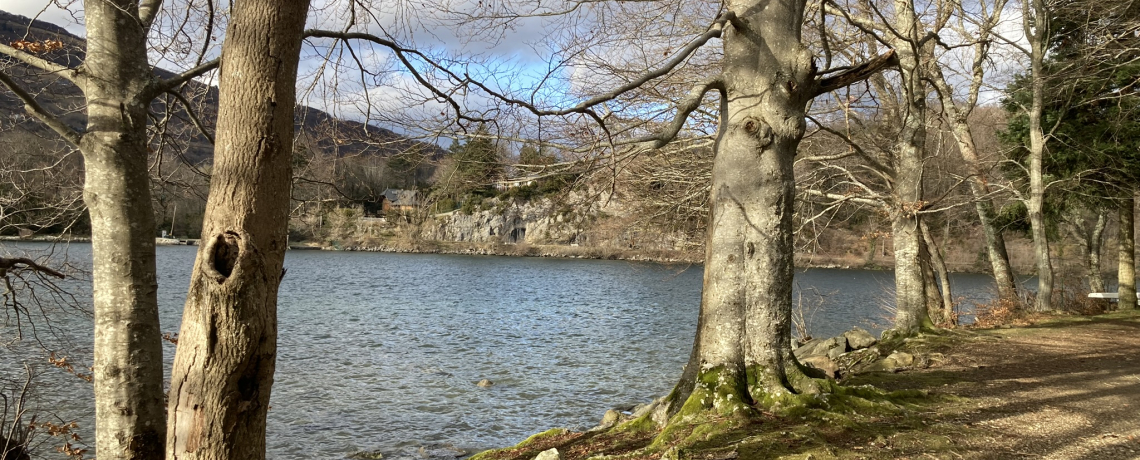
{"points": [[857, 361], [609, 419], [823, 363], [838, 348], [833, 347], [896, 361], [807, 349], [551, 454], [858, 339]]}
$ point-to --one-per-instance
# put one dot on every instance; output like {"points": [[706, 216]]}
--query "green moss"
{"points": [[720, 390], [530, 446], [643, 423], [536, 438]]}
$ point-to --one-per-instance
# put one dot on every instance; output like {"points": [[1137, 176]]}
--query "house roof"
{"points": [[401, 197]]}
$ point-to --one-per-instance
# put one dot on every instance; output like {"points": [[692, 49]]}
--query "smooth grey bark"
{"points": [[1126, 254], [938, 263], [907, 162], [129, 409], [742, 353], [745, 317], [1035, 20], [118, 84], [223, 370]]}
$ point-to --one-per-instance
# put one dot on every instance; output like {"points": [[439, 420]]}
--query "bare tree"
{"points": [[896, 161], [223, 370], [1036, 16], [1087, 227], [118, 82], [957, 106]]}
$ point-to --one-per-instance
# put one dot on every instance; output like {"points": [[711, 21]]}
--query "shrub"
{"points": [[999, 312]]}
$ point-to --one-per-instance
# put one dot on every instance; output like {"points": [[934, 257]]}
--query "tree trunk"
{"points": [[910, 290], [996, 251], [223, 371], [1092, 259], [1126, 246], [995, 242], [939, 263], [129, 412], [1091, 242], [907, 197], [744, 330], [1036, 23]]}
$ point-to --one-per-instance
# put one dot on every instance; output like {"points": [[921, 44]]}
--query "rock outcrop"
{"points": [[536, 222]]}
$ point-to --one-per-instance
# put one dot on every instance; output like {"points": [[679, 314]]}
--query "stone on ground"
{"points": [[551, 454], [857, 338]]}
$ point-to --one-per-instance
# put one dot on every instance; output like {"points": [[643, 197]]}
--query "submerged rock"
{"points": [[485, 383], [366, 455]]}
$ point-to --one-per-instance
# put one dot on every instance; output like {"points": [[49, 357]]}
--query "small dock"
{"points": [[174, 242]]}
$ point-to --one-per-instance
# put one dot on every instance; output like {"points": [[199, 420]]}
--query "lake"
{"points": [[382, 352]]}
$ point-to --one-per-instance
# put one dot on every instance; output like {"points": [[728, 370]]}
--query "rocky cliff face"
{"points": [[536, 222], [586, 220]]}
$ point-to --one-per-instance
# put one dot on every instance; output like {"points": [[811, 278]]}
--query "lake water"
{"points": [[382, 352]]}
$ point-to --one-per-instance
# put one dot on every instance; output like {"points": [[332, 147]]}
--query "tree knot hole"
{"points": [[759, 130], [222, 255]]}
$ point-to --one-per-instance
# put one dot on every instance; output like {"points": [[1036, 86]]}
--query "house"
{"points": [[400, 200], [513, 183]]}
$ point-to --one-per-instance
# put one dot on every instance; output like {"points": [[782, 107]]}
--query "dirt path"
{"points": [[1060, 390]]}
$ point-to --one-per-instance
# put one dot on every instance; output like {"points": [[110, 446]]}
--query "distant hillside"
{"points": [[321, 131]]}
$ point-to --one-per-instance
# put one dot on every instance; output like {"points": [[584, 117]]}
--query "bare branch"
{"points": [[148, 10], [193, 116], [72, 75], [684, 108], [856, 74], [9, 263], [166, 85], [837, 198], [34, 108]]}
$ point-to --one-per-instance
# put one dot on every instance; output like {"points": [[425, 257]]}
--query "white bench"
{"points": [[1105, 295]]}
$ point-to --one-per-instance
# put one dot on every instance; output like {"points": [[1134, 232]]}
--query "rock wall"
{"points": [[534, 222]]}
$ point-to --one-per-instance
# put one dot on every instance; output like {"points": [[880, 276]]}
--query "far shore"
{"points": [[665, 256]]}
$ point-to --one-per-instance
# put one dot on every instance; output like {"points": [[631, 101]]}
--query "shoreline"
{"points": [[663, 256]]}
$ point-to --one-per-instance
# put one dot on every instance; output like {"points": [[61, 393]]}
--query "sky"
{"points": [[45, 11]]}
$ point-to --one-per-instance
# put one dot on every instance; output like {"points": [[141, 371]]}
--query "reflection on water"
{"points": [[383, 351]]}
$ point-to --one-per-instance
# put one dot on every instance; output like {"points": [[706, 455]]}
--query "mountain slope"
{"points": [[324, 133]]}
